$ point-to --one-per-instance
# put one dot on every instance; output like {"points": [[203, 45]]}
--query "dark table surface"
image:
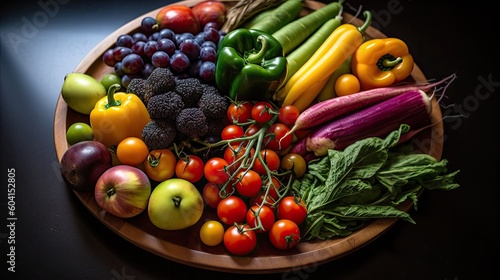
{"points": [[58, 238]]}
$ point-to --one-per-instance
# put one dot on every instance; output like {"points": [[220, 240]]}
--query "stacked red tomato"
{"points": [[250, 185]]}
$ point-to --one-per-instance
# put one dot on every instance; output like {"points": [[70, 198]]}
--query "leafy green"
{"points": [[367, 180]]}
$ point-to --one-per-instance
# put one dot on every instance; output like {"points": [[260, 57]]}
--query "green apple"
{"points": [[81, 92], [175, 204]]}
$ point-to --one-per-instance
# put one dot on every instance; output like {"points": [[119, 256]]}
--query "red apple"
{"points": [[123, 191], [178, 18], [210, 11]]}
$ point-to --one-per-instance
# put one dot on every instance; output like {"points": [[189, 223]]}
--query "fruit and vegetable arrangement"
{"points": [[285, 126]]}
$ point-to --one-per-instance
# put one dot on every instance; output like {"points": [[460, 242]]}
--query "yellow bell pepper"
{"points": [[381, 62], [118, 116]]}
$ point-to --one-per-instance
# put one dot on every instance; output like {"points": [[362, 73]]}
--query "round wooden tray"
{"points": [[184, 246]]}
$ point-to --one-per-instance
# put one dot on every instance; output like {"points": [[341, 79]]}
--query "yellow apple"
{"points": [[175, 204]]}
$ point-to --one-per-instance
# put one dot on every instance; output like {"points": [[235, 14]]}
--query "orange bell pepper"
{"points": [[381, 62]]}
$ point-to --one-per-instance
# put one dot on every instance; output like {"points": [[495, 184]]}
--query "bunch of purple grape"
{"points": [[187, 55]]}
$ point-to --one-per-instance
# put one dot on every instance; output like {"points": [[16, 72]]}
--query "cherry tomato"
{"points": [[248, 183], [190, 167], [232, 131], [212, 233], [240, 239], [288, 114], [239, 112], [278, 139], [265, 214], [211, 196], [234, 152], [347, 84], [232, 209], [216, 170], [252, 129], [259, 200], [132, 151], [262, 112], [284, 234], [160, 165], [271, 160], [294, 162], [273, 188], [292, 208]]}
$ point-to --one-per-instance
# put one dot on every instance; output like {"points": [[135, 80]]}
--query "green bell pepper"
{"points": [[250, 65]]}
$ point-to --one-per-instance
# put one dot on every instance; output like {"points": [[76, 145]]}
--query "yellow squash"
{"points": [[305, 85]]}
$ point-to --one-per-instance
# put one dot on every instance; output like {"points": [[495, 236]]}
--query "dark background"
{"points": [[57, 238]]}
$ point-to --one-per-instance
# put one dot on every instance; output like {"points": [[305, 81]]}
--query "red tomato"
{"points": [[232, 131], [248, 183], [178, 18], [284, 234], [270, 159], [160, 165], [210, 11], [265, 214], [239, 112], [278, 139], [210, 194], [274, 188], [232, 209], [216, 170], [234, 152], [288, 114], [240, 240], [259, 199], [190, 168], [262, 112], [292, 208]]}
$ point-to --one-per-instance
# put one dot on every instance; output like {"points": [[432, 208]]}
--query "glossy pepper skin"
{"points": [[382, 62], [250, 65], [118, 116]]}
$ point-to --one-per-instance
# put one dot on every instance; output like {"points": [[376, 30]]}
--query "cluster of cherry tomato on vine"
{"points": [[250, 195]]}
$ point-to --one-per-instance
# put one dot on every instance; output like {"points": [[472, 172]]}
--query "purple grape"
{"points": [[194, 68], [191, 48], [167, 33], [132, 63], [147, 24], [209, 44], [211, 24], [211, 34], [119, 69], [208, 54], [138, 48], [179, 62], [127, 78], [146, 70], [150, 48], [207, 71], [199, 38], [125, 40], [154, 37], [183, 36], [120, 52], [138, 37], [160, 59], [166, 45], [108, 58]]}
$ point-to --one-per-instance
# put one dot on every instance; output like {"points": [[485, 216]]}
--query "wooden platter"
{"points": [[184, 246]]}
